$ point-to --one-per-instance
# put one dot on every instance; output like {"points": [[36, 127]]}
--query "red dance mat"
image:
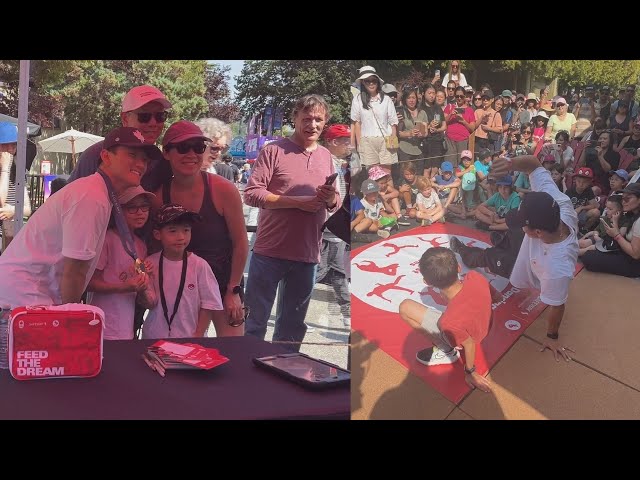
{"points": [[386, 272]]}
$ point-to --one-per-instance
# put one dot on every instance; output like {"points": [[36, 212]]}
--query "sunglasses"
{"points": [[477, 98], [370, 80], [460, 96], [135, 208], [527, 132], [246, 315], [451, 88], [184, 147], [145, 117], [558, 105], [454, 65], [215, 148]]}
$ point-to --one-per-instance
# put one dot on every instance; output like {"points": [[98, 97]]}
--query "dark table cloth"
{"points": [[127, 388]]}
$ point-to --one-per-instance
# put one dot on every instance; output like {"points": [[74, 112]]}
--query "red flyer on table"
{"points": [[186, 355]]}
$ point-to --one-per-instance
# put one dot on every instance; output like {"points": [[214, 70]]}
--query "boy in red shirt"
{"points": [[465, 322]]}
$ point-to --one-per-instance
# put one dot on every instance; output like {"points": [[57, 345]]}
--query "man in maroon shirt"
{"points": [[465, 321], [288, 185]]}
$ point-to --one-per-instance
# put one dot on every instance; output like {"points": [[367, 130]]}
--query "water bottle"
{"points": [[5, 313]]}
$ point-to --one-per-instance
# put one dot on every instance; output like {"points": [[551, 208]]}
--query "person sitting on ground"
{"points": [[466, 172], [357, 212], [583, 199], [618, 180], [466, 320], [428, 203], [490, 214], [183, 312], [408, 190], [483, 166], [387, 192], [447, 186], [557, 174], [377, 218], [598, 239]]}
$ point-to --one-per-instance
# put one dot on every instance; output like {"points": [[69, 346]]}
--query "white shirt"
{"points": [[72, 223], [548, 266], [428, 202], [385, 116], [372, 211], [461, 83], [117, 266], [200, 291]]}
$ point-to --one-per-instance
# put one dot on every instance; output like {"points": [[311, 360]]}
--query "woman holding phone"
{"points": [[433, 146], [411, 130], [461, 122]]}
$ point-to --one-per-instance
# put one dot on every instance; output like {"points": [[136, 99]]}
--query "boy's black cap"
{"points": [[537, 210], [171, 212]]}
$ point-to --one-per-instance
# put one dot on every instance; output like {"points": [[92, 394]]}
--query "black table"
{"points": [[127, 388]]}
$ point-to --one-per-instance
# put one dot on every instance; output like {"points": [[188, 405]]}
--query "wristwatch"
{"points": [[236, 290], [469, 370]]}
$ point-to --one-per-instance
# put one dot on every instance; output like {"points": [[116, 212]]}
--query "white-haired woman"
{"points": [[220, 135]]}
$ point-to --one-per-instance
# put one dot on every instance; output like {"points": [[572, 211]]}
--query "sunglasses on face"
{"points": [[451, 88], [559, 105], [145, 117], [460, 96], [184, 147], [216, 148], [478, 98], [370, 80], [135, 208], [454, 65]]}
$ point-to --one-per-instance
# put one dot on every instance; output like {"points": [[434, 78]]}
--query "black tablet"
{"points": [[305, 370]]}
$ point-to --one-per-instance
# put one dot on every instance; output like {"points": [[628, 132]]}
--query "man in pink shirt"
{"points": [[288, 185]]}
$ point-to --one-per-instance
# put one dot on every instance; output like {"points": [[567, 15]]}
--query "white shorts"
{"points": [[373, 151]]}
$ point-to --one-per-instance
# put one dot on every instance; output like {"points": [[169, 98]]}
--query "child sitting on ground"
{"points": [[466, 320], [387, 192], [408, 190], [447, 186], [618, 179], [428, 203], [466, 172], [557, 174], [490, 214], [483, 166], [185, 284], [583, 199], [377, 218], [119, 281], [598, 239]]}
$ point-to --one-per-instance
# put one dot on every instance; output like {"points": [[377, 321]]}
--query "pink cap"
{"points": [[141, 95], [467, 154], [376, 172], [182, 131], [549, 157], [560, 100]]}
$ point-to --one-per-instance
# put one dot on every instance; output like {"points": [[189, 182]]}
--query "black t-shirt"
{"points": [[431, 111], [580, 199]]}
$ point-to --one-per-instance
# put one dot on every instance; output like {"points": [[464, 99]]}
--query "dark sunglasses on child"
{"points": [[184, 147], [145, 117]]}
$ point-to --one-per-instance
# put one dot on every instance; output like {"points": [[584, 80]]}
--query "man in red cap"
{"points": [[143, 107], [52, 259], [549, 251], [335, 254]]}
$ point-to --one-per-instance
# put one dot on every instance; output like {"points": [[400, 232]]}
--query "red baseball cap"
{"points": [[584, 172], [336, 131]]}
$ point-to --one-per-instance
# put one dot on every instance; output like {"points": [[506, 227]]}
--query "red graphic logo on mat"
{"points": [[191, 286], [370, 280]]}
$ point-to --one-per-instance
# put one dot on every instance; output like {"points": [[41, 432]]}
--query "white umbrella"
{"points": [[72, 141]]}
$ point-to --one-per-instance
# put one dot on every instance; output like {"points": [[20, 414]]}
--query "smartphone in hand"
{"points": [[331, 178], [460, 110], [604, 222]]}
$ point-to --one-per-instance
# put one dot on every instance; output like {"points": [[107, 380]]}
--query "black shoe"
{"points": [[455, 244]]}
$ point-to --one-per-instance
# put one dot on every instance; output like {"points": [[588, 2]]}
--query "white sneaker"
{"points": [[434, 356], [383, 233]]}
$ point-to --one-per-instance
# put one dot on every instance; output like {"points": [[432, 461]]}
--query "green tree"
{"points": [[281, 82], [218, 94], [92, 91], [615, 73]]}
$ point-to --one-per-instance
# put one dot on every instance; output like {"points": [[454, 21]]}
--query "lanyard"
{"points": [[121, 224], [183, 277]]}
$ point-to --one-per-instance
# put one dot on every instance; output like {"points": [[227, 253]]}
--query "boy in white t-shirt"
{"points": [[377, 219], [185, 285], [119, 281], [428, 203]]}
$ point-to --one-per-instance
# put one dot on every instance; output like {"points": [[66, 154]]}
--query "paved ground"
{"points": [[323, 315]]}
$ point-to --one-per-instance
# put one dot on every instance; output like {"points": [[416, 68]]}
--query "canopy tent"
{"points": [[33, 130]]}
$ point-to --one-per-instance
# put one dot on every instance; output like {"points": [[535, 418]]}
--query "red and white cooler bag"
{"points": [[56, 341]]}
